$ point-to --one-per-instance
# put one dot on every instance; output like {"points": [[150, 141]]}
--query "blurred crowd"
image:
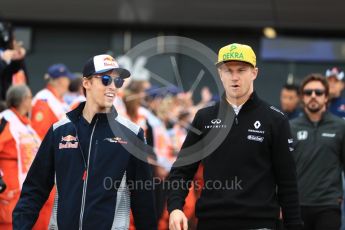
{"points": [[164, 112], [290, 102]]}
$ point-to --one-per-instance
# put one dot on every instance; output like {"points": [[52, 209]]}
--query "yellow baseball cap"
{"points": [[236, 52]]}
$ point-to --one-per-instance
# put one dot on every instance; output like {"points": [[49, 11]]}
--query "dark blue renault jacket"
{"points": [[100, 172]]}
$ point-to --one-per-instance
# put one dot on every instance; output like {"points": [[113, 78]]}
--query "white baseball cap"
{"points": [[334, 72], [103, 63]]}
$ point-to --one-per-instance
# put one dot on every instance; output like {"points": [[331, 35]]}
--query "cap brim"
{"points": [[335, 76], [71, 76], [222, 62], [123, 73]]}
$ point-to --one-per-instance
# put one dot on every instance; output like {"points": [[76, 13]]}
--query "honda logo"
{"points": [[302, 135]]}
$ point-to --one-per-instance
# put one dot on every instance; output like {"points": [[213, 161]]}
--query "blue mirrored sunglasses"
{"points": [[107, 80]]}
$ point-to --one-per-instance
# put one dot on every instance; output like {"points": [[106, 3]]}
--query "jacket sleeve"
{"points": [[37, 186], [2, 66], [181, 174], [11, 68], [3, 127], [342, 157], [285, 173], [142, 196]]}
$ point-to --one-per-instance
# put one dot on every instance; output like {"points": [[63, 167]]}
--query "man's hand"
{"points": [[176, 219], [7, 55], [19, 51]]}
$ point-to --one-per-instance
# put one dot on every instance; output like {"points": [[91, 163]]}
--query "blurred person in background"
{"points": [[18, 146], [155, 132], [154, 97], [75, 89], [335, 79], [12, 54], [132, 101], [179, 130], [289, 101], [132, 97], [319, 152], [336, 106], [48, 104], [3, 106], [207, 99], [168, 110], [136, 89], [3, 124], [160, 140], [76, 93]]}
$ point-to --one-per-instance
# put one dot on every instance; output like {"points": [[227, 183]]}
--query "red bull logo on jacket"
{"points": [[68, 138], [70, 142]]}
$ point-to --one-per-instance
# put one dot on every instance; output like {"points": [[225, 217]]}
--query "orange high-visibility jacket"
{"points": [[47, 108], [13, 144]]}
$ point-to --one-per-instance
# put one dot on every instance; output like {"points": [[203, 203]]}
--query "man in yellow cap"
{"points": [[245, 147]]}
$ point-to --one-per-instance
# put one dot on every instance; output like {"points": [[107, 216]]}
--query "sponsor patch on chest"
{"points": [[68, 142], [68, 145], [331, 135], [116, 140], [302, 135], [255, 138]]}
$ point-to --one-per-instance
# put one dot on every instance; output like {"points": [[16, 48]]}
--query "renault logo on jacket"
{"points": [[257, 124]]}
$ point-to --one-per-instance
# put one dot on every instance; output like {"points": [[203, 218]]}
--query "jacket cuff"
{"points": [[174, 206]]}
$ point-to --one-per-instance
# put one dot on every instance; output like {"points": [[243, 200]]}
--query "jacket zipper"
{"points": [[85, 177]]}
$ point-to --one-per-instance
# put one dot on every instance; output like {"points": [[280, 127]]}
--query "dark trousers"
{"points": [[321, 217]]}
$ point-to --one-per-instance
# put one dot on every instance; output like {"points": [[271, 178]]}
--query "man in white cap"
{"points": [[336, 106], [87, 155], [245, 147], [335, 79]]}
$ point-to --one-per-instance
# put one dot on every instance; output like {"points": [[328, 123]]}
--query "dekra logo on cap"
{"points": [[233, 55]]}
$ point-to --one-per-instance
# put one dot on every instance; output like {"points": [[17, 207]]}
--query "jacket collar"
{"points": [[324, 117], [22, 118], [77, 112], [251, 103]]}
